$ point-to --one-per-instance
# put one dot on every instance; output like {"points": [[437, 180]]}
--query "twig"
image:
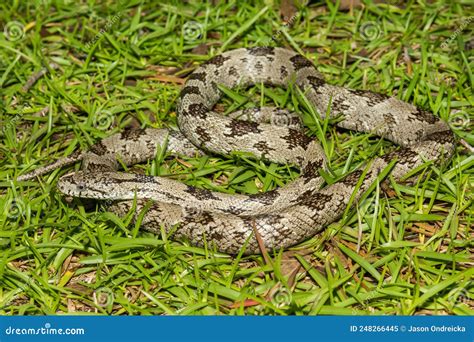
{"points": [[36, 76], [261, 245]]}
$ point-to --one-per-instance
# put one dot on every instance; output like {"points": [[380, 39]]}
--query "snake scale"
{"points": [[284, 216]]}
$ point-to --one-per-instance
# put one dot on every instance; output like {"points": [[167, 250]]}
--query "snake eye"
{"points": [[81, 186]]}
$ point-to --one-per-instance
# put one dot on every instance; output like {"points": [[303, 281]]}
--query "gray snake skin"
{"points": [[284, 216]]}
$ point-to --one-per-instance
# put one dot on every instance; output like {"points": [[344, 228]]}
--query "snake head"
{"points": [[80, 185], [104, 185]]}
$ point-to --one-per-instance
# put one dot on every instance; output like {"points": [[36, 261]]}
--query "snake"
{"points": [[275, 219]]}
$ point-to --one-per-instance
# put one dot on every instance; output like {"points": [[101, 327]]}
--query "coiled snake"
{"points": [[284, 216]]}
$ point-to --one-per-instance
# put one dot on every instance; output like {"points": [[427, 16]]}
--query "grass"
{"points": [[402, 250]]}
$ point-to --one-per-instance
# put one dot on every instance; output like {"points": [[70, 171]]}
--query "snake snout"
{"points": [[70, 184]]}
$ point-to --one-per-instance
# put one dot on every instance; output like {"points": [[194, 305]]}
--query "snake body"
{"points": [[281, 217]]}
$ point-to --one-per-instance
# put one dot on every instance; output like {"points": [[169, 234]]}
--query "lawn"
{"points": [[73, 72]]}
